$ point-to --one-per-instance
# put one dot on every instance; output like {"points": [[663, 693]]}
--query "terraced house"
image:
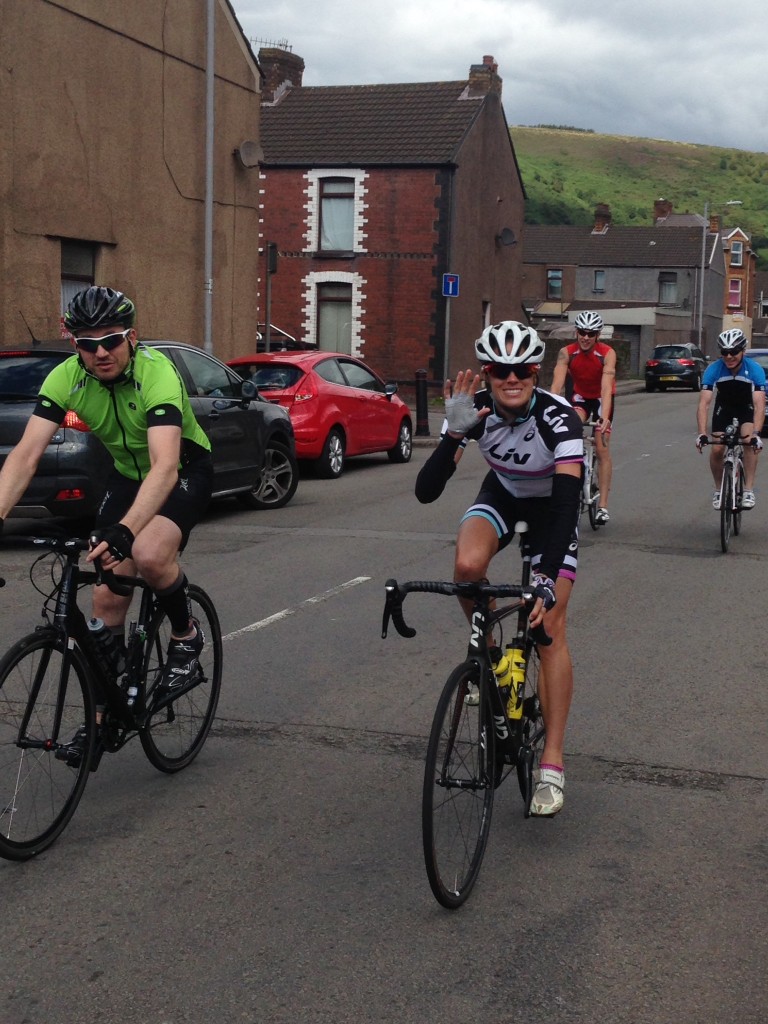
{"points": [[380, 198]]}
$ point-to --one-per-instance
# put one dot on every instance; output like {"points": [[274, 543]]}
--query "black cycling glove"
{"points": [[118, 537], [545, 589]]}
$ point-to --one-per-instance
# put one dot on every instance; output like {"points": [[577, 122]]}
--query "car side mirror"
{"points": [[248, 390], [390, 389]]}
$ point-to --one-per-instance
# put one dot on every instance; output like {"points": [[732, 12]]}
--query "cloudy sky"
{"points": [[689, 70]]}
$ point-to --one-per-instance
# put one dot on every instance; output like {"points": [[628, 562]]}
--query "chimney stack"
{"points": [[483, 78], [661, 210], [282, 69], [602, 219]]}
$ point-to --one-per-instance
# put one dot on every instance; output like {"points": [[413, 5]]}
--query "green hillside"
{"points": [[567, 172]]}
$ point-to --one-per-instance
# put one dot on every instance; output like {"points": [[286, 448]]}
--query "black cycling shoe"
{"points": [[72, 753], [182, 668]]}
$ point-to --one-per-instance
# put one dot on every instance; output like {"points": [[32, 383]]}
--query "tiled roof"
{"points": [[351, 125], [617, 247]]}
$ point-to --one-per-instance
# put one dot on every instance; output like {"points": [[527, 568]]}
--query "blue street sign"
{"points": [[451, 285]]}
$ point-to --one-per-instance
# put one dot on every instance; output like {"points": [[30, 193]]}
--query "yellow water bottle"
{"points": [[516, 660], [502, 669]]}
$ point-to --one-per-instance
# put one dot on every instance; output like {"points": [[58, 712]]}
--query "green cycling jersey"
{"points": [[150, 393]]}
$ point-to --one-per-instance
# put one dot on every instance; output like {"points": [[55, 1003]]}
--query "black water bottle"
{"points": [[106, 644]]}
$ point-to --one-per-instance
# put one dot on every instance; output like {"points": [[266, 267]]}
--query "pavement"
{"points": [[436, 414]]}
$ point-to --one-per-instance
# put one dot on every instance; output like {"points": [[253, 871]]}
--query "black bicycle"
{"points": [[590, 488], [484, 728], [52, 680]]}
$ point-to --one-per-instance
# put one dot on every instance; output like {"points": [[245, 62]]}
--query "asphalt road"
{"points": [[279, 878]]}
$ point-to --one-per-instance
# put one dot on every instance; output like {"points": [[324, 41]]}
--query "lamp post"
{"points": [[705, 230]]}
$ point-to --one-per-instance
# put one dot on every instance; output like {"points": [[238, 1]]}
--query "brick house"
{"points": [[644, 280], [740, 274], [371, 194]]}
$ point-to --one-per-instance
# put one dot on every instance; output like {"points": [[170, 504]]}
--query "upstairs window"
{"points": [[555, 285], [599, 282], [737, 254], [667, 288], [734, 293], [78, 269], [337, 214]]}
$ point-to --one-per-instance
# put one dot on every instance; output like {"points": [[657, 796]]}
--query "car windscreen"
{"points": [[671, 352], [276, 376], [21, 375]]}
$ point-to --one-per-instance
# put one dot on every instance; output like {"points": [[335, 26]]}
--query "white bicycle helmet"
{"points": [[509, 342], [732, 341], [588, 321]]}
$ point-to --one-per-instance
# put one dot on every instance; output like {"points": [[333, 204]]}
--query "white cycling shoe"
{"points": [[548, 798], [748, 499]]}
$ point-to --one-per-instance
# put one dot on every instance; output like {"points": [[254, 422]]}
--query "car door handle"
{"points": [[214, 414]]}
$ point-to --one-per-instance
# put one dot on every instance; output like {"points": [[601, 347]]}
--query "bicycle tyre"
{"points": [[533, 732], [726, 508], [39, 792], [594, 498], [174, 736], [737, 498], [456, 817]]}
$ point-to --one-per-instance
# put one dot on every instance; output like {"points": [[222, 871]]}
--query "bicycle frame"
{"points": [[69, 621]]}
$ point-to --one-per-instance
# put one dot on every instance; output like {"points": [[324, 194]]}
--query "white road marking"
{"points": [[287, 612]]}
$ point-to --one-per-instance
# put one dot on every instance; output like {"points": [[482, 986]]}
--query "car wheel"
{"points": [[697, 383], [331, 462], [402, 451], [279, 479], [662, 387], [649, 387]]}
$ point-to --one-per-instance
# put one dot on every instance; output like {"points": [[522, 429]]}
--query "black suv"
{"points": [[675, 366], [252, 440]]}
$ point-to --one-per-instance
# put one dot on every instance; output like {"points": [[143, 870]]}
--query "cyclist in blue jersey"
{"points": [[134, 401], [737, 386], [532, 442]]}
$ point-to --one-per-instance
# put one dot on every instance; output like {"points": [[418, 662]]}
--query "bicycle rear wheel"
{"points": [[534, 731], [726, 507], [38, 790], [737, 497], [457, 801], [175, 735]]}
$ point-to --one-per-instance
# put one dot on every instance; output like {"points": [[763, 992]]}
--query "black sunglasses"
{"points": [[108, 342], [501, 370], [588, 334]]}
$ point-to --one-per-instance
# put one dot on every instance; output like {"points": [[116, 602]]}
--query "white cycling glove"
{"points": [[461, 414]]}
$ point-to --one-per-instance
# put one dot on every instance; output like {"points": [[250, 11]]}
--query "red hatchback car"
{"points": [[339, 407]]}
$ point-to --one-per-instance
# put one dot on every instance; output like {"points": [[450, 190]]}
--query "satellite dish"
{"points": [[249, 153]]}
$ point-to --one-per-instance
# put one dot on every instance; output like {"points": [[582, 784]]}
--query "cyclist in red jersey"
{"points": [[592, 366]]}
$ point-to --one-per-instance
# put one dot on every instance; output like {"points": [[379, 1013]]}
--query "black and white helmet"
{"points": [[588, 321], [732, 341], [511, 343]]}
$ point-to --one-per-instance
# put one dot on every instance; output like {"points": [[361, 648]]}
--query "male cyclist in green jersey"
{"points": [[134, 401]]}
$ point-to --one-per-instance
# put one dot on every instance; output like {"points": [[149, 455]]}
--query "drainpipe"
{"points": [[209, 94]]}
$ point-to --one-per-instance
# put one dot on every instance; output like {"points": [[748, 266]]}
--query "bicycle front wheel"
{"points": [[457, 800], [41, 778], [174, 735], [737, 498], [594, 497], [726, 507], [534, 731]]}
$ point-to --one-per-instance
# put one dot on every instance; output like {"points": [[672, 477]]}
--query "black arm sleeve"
{"points": [[49, 410], [437, 470], [563, 516]]}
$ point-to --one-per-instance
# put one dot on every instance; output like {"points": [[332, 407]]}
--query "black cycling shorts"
{"points": [[503, 510], [592, 407], [184, 506], [724, 415]]}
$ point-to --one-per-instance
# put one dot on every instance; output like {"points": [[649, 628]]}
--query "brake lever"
{"points": [[393, 608]]}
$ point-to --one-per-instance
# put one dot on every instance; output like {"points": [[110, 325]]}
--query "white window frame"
{"points": [[737, 253], [312, 206], [310, 324], [734, 291]]}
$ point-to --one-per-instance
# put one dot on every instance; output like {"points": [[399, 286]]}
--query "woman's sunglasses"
{"points": [[108, 342], [501, 370]]}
